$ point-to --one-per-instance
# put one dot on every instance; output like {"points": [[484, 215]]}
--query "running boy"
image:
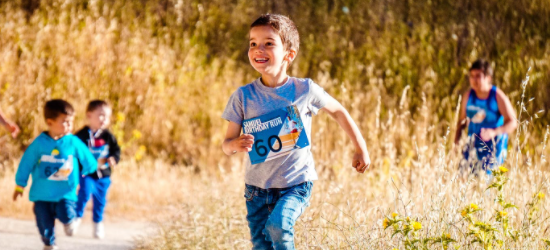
{"points": [[105, 149], [280, 172], [51, 159], [12, 127], [489, 116]]}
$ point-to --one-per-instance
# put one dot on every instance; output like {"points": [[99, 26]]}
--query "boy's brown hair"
{"points": [[484, 66], [284, 26], [95, 104], [56, 107]]}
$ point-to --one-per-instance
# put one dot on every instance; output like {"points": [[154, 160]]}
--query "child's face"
{"points": [[99, 118], [266, 51], [478, 80], [61, 125]]}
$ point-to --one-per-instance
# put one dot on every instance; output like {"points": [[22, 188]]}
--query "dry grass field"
{"points": [[168, 68]]}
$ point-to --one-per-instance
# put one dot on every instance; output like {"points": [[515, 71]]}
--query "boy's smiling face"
{"points": [[266, 51]]}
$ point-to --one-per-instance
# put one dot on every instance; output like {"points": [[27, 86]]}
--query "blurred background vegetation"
{"points": [[168, 67]]}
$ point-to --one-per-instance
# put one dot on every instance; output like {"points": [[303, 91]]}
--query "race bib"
{"points": [[56, 168], [275, 134]]}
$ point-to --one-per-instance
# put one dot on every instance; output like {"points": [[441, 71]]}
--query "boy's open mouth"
{"points": [[261, 60]]}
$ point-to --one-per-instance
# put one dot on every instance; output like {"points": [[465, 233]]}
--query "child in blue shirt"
{"points": [[489, 116], [52, 161], [106, 150], [275, 112]]}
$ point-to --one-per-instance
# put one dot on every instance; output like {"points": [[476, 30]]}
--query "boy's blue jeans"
{"points": [[97, 188], [272, 214], [46, 212]]}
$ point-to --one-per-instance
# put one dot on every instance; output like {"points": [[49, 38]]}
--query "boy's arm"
{"points": [[462, 119], [361, 159], [510, 120], [26, 165], [85, 157], [12, 127], [235, 142], [114, 149]]}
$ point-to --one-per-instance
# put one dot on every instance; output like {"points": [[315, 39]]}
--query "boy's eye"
{"points": [[252, 44], [269, 44]]}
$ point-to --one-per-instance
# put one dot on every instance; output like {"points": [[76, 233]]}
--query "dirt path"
{"points": [[22, 234]]}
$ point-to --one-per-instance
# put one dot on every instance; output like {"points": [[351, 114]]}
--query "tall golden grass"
{"points": [[169, 67], [348, 209]]}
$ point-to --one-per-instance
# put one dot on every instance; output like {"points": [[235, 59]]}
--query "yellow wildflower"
{"points": [[416, 225], [474, 206], [120, 117], [464, 213], [140, 152], [385, 223], [393, 215], [503, 213], [136, 134], [448, 235], [503, 169], [540, 195]]}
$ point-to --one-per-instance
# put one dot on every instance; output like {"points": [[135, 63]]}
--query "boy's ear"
{"points": [[49, 121], [291, 55]]}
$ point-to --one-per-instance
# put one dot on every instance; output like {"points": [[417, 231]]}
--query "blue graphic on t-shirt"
{"points": [[275, 134], [56, 167]]}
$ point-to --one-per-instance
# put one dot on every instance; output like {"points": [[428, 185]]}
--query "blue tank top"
{"points": [[484, 113]]}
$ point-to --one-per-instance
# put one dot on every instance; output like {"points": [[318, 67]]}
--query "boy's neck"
{"points": [[55, 137], [94, 130], [484, 92], [274, 81]]}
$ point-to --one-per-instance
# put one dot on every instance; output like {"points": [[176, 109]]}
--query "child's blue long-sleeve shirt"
{"points": [[53, 165]]}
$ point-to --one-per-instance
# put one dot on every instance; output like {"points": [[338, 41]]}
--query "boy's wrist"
{"points": [[232, 149], [361, 147]]}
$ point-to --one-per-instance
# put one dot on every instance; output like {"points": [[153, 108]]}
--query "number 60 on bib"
{"points": [[275, 134]]}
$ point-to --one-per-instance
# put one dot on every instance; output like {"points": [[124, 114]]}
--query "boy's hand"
{"points": [[242, 143], [18, 192], [488, 134], [13, 128], [361, 161], [112, 162]]}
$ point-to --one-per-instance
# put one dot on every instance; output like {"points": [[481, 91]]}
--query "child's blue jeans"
{"points": [[97, 188], [46, 212], [272, 214]]}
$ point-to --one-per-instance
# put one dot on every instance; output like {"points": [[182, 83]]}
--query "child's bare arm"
{"points": [[12, 127], [510, 120], [361, 159], [507, 111], [235, 142]]}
